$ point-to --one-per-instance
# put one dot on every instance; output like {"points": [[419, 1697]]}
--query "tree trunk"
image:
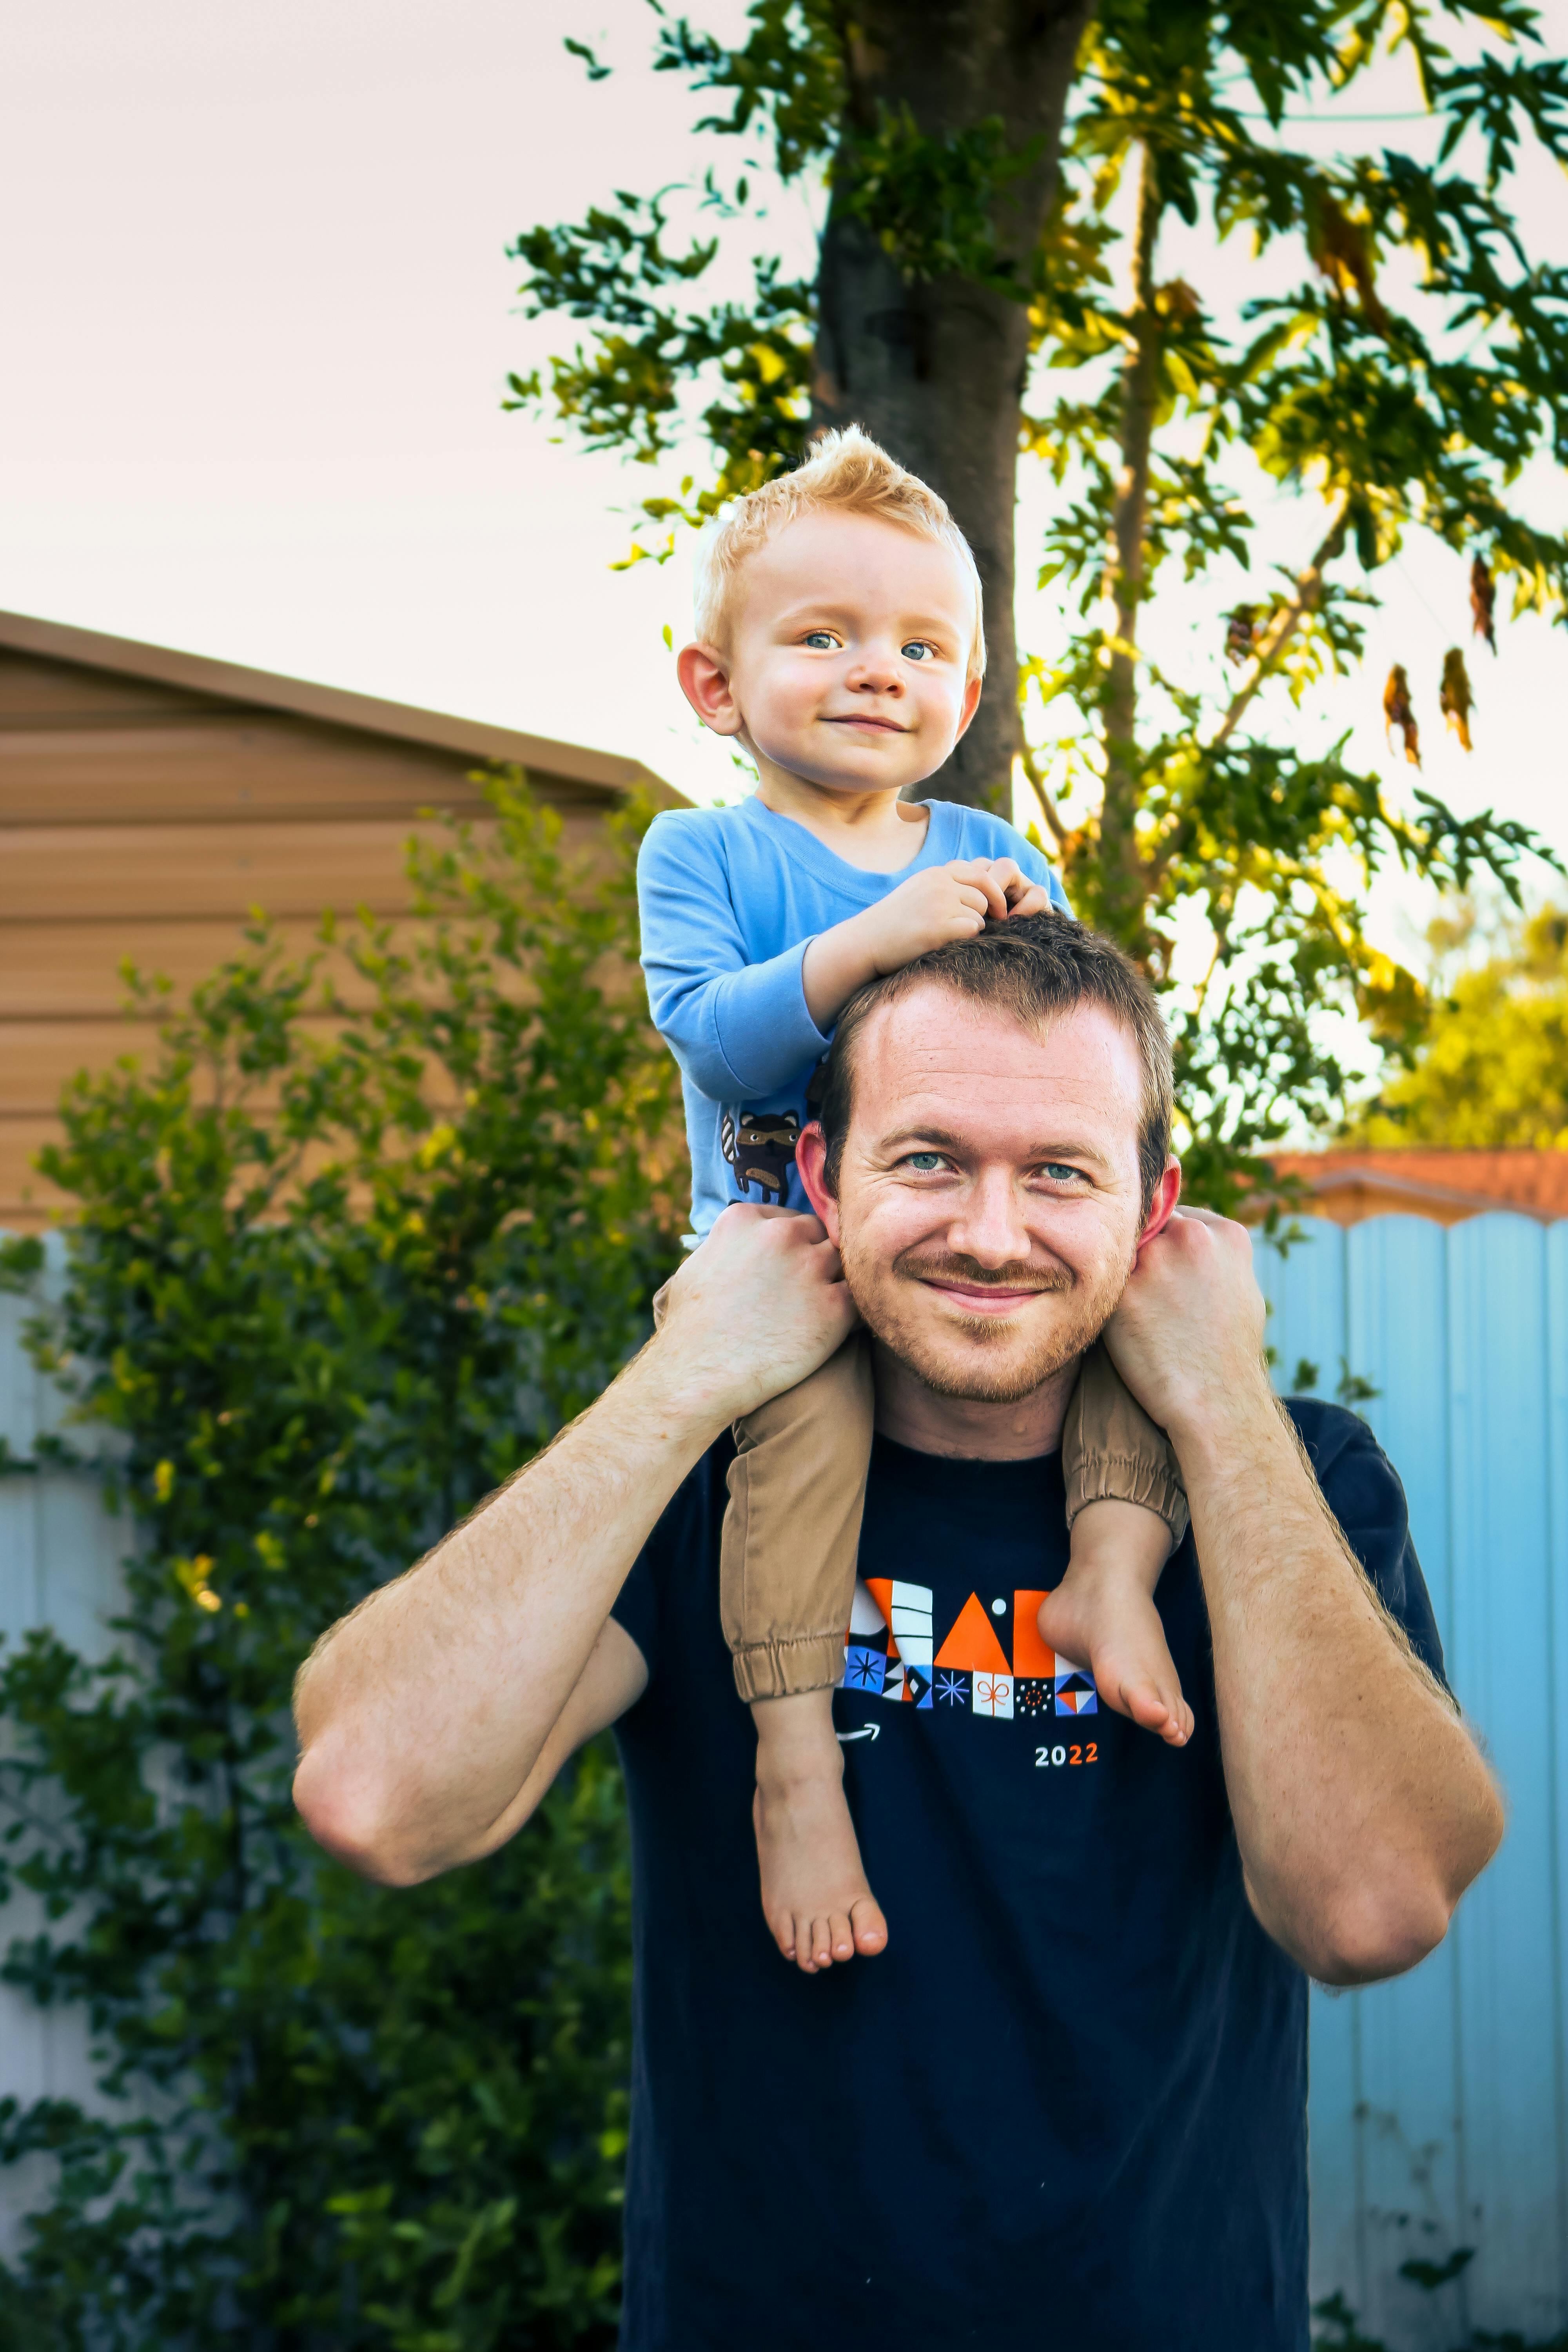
{"points": [[1120, 880], [935, 369]]}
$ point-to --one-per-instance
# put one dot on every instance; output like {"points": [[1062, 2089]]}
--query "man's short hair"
{"points": [[1034, 968], [847, 471]]}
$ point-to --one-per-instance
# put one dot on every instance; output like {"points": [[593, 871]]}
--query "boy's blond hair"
{"points": [[849, 471]]}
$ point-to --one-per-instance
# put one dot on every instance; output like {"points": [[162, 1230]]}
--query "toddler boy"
{"points": [[839, 639]]}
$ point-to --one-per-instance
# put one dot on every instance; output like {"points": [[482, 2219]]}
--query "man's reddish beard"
{"points": [[987, 1375]]}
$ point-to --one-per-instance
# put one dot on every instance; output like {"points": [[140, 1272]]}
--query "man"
{"points": [[1069, 2098]]}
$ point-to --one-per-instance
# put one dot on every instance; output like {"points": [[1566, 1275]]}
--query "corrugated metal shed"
{"points": [[150, 799]]}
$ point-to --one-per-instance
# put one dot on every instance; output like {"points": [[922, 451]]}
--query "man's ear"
{"points": [[705, 682], [1167, 1192], [972, 693], [811, 1166]]}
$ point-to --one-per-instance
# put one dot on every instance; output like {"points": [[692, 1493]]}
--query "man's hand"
{"points": [[933, 907], [1187, 1337], [1361, 1808], [752, 1312]]}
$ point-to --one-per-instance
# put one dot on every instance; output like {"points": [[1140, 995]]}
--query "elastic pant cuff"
{"points": [[1129, 1478], [784, 1669]]}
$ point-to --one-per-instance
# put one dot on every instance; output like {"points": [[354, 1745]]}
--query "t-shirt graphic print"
{"points": [[991, 1662]]}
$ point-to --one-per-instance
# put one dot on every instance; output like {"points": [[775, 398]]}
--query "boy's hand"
{"points": [[944, 903], [1023, 896]]}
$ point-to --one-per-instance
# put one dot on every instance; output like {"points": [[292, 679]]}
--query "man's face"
{"points": [[988, 1204]]}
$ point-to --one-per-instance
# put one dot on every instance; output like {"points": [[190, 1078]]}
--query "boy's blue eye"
{"points": [[820, 640], [918, 650]]}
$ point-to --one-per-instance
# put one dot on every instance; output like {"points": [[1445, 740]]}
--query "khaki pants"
{"points": [[797, 1489]]}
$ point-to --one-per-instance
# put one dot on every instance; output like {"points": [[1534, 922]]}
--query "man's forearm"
{"points": [[1362, 1809], [421, 1715]]}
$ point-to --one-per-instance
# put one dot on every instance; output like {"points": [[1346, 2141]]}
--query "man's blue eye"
{"points": [[927, 1162], [1060, 1173]]}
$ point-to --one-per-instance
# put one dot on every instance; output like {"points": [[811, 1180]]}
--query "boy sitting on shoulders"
{"points": [[839, 639]]}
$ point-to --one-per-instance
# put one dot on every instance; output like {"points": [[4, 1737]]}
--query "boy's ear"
{"points": [[972, 693], [705, 682], [811, 1163]]}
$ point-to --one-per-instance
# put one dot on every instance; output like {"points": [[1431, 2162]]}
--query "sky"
{"points": [[259, 316]]}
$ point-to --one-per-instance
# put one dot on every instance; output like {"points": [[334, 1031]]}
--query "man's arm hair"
{"points": [[1362, 1808], [428, 1715]]}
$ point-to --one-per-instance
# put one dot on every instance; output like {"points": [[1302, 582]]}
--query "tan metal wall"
{"points": [[145, 820]]}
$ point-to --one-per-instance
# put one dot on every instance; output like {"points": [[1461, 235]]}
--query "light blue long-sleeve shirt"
{"points": [[730, 899]]}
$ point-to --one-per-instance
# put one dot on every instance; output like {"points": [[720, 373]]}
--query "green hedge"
{"points": [[345, 1254]]}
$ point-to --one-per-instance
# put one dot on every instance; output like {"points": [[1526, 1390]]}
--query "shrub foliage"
{"points": [[357, 1241]]}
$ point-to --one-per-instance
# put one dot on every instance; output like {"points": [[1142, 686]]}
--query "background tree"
{"points": [[327, 1286], [1403, 361], [1491, 1070]]}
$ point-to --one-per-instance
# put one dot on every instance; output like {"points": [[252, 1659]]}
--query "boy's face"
{"points": [[848, 658]]}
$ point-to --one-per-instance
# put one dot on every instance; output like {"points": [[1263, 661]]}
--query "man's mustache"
{"points": [[947, 1265]]}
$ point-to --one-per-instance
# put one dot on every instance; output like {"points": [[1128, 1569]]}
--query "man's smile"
{"points": [[976, 1293], [988, 1298]]}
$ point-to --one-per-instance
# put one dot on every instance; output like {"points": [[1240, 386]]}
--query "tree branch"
{"points": [[1283, 627], [1054, 825]]}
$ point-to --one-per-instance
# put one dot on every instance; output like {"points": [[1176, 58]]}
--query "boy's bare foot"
{"points": [[1102, 1615], [816, 1900]]}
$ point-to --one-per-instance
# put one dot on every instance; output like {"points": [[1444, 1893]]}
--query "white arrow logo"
{"points": [[866, 1731]]}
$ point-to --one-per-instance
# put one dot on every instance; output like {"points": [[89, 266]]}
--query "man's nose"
{"points": [[990, 1225]]}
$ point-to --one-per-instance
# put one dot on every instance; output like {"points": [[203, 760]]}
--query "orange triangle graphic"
{"points": [[972, 1647], [1031, 1654]]}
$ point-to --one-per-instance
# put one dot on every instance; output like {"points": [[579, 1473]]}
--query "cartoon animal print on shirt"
{"points": [[760, 1148]]}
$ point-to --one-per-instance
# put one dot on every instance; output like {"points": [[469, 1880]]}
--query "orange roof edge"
{"points": [[1532, 1183]]}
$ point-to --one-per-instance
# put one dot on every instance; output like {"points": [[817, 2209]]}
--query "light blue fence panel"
{"points": [[1502, 1669], [1557, 1489], [1439, 2106], [1305, 1288], [1404, 2098], [60, 1554]]}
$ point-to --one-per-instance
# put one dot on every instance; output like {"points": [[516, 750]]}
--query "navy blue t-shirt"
{"points": [[1069, 2102]]}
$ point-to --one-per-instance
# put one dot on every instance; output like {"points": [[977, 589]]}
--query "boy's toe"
{"points": [[869, 1928]]}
